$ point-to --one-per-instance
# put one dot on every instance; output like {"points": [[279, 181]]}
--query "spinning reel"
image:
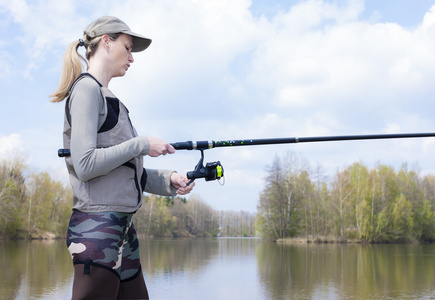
{"points": [[211, 171]]}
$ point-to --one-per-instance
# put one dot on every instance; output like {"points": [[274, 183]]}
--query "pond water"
{"points": [[236, 268]]}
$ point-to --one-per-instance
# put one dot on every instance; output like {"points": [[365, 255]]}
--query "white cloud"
{"points": [[429, 19], [40, 28], [11, 147]]}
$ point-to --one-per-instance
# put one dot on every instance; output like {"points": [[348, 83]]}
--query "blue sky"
{"points": [[236, 69]]}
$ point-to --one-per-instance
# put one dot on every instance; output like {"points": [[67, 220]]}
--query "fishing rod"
{"points": [[198, 145], [214, 170]]}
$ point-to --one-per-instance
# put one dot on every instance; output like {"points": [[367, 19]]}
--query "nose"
{"points": [[130, 57]]}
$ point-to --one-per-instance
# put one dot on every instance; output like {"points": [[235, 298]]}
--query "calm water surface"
{"points": [[236, 269]]}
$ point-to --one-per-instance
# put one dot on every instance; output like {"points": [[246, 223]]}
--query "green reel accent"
{"points": [[219, 171]]}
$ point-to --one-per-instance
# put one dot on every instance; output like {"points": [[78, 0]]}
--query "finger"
{"points": [[169, 148], [187, 188], [191, 185], [164, 151], [181, 182], [183, 191]]}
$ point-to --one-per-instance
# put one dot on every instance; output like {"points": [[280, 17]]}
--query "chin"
{"points": [[121, 74]]}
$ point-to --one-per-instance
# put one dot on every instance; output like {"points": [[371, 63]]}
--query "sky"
{"points": [[235, 69]]}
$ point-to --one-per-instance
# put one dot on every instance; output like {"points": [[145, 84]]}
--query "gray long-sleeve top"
{"points": [[88, 113]]}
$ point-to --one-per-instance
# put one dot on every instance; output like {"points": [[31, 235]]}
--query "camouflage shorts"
{"points": [[106, 239]]}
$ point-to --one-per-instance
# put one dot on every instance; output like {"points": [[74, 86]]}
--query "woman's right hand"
{"points": [[159, 147]]}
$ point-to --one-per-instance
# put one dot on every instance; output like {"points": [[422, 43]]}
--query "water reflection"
{"points": [[34, 270], [236, 269], [201, 268], [347, 271]]}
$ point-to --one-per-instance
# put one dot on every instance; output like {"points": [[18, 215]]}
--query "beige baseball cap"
{"points": [[109, 24]]}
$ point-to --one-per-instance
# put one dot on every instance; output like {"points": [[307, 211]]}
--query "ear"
{"points": [[106, 41]]}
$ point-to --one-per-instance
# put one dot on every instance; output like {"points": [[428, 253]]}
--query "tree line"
{"points": [[358, 203], [177, 217], [34, 204], [31, 204]]}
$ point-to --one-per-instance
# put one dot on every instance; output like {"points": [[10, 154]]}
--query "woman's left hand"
{"points": [[179, 182]]}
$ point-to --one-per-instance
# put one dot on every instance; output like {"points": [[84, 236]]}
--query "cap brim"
{"points": [[140, 43]]}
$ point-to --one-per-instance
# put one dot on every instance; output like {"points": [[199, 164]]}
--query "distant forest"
{"points": [[35, 204], [298, 201], [356, 204]]}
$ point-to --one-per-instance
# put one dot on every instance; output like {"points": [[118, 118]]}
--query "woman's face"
{"points": [[121, 55]]}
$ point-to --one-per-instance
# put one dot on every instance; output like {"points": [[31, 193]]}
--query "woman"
{"points": [[106, 165]]}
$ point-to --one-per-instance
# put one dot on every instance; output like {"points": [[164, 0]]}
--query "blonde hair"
{"points": [[72, 64]]}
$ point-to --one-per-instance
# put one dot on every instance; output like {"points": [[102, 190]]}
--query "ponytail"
{"points": [[71, 70], [72, 65]]}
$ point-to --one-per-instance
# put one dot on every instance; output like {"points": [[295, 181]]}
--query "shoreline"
{"points": [[49, 236], [332, 240]]}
